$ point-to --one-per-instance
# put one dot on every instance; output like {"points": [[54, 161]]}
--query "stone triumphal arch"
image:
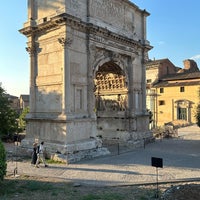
{"points": [[87, 82]]}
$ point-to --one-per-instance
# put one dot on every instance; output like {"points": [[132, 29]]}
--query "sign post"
{"points": [[16, 143], [157, 162]]}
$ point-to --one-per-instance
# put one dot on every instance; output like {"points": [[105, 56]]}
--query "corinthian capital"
{"points": [[33, 49], [65, 41]]}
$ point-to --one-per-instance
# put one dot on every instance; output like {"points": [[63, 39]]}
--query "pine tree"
{"points": [[197, 114]]}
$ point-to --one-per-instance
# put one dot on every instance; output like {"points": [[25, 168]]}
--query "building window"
{"points": [[161, 103], [182, 113], [182, 89], [45, 19], [161, 90], [148, 80]]}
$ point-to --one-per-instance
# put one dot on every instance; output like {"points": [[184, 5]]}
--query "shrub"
{"points": [[3, 164], [197, 115]]}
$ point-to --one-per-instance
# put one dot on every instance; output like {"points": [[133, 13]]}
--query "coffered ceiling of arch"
{"points": [[111, 67]]}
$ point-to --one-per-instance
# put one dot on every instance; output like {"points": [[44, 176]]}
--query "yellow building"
{"points": [[173, 96], [177, 98]]}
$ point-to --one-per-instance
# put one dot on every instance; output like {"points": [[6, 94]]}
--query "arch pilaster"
{"points": [[33, 49], [66, 100]]}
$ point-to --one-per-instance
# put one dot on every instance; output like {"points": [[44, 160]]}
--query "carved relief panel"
{"points": [[111, 89]]}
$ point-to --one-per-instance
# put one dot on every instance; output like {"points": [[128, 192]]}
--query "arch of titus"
{"points": [[87, 75]]}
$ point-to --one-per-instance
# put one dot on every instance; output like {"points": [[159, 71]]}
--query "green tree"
{"points": [[22, 122], [3, 164], [197, 114], [8, 117]]}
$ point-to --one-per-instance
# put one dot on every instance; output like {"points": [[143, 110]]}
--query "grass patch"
{"points": [[25, 187], [50, 161], [37, 186], [13, 186], [104, 197], [7, 187]]}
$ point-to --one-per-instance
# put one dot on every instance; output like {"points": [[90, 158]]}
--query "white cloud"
{"points": [[161, 43], [196, 57]]}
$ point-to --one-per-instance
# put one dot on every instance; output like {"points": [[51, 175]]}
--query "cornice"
{"points": [[54, 22], [89, 28], [104, 32]]}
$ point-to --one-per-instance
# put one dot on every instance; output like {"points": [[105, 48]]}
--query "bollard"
{"points": [[144, 142], [118, 148]]}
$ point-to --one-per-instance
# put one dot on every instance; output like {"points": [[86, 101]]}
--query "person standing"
{"points": [[34, 154], [40, 155]]}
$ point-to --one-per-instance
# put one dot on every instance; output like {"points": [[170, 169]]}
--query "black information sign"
{"points": [[157, 162]]}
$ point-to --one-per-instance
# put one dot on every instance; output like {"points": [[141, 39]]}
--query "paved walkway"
{"points": [[181, 161]]}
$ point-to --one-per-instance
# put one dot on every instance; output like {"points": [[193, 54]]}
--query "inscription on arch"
{"points": [[113, 12], [75, 5], [107, 9]]}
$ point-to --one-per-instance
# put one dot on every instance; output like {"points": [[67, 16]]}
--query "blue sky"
{"points": [[14, 60], [173, 29]]}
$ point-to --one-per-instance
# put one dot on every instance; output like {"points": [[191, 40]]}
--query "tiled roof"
{"points": [[167, 84], [182, 76], [25, 97], [183, 79]]}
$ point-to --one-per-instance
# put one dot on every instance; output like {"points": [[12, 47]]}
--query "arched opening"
{"points": [[111, 92]]}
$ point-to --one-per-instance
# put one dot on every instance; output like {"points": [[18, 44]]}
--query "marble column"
{"points": [[131, 95], [143, 86], [32, 50], [66, 100], [90, 83]]}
